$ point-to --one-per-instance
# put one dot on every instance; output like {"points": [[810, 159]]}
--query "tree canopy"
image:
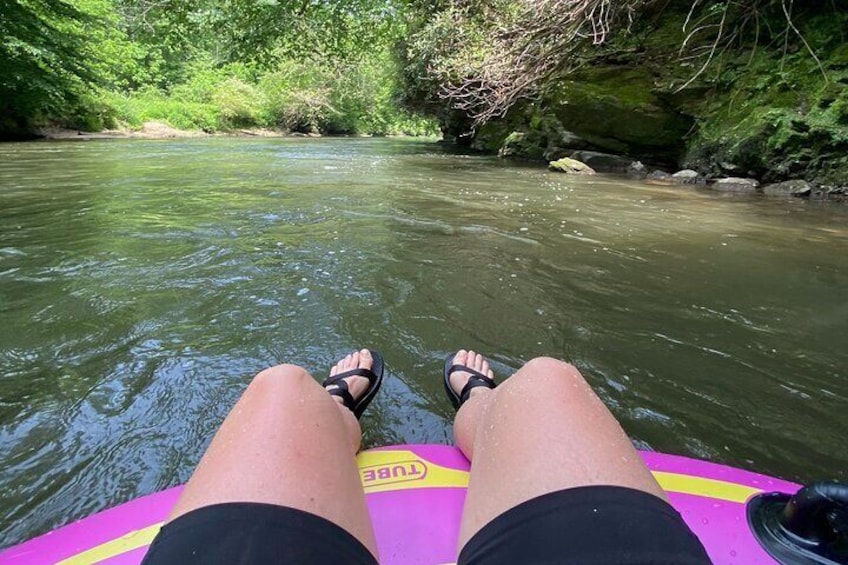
{"points": [[42, 58]]}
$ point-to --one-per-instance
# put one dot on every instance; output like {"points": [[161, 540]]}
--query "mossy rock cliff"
{"points": [[616, 108], [767, 107], [780, 116]]}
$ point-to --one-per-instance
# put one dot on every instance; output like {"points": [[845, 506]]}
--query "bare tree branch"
{"points": [[519, 53]]}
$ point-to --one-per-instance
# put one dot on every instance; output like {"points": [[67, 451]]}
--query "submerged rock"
{"points": [[637, 171], [797, 188], [736, 184], [688, 176], [661, 178], [603, 162], [572, 166], [838, 192]]}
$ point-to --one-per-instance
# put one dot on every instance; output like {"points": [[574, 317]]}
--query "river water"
{"points": [[143, 283]]}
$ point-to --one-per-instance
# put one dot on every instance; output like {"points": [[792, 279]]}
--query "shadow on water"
{"points": [[142, 284]]}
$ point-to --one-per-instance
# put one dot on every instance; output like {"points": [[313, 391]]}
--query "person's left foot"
{"points": [[356, 385], [475, 362], [467, 374]]}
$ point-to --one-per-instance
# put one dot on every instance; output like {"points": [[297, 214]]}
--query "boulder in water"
{"points": [[661, 178], [571, 166], [521, 144], [637, 171], [736, 184], [603, 162], [798, 188], [688, 176]]}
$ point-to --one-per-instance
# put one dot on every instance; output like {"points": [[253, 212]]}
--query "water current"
{"points": [[143, 283]]}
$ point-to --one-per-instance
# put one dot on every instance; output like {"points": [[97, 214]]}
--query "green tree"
{"points": [[172, 34], [42, 62], [336, 29]]}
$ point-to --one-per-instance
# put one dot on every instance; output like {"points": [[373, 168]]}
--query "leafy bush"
{"points": [[204, 77], [240, 104], [304, 96], [149, 104], [297, 96], [90, 112]]}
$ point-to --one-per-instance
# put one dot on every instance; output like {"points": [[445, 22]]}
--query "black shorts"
{"points": [[598, 524], [587, 525], [249, 532]]}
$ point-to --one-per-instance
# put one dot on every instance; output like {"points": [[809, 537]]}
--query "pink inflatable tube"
{"points": [[415, 495]]}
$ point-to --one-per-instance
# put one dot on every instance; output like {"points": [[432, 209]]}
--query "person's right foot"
{"points": [[356, 385], [472, 360]]}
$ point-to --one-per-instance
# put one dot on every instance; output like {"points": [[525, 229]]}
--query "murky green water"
{"points": [[143, 283]]}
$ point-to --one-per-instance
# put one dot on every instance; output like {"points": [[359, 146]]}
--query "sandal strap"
{"points": [[361, 372], [476, 379], [343, 392], [342, 389], [473, 382]]}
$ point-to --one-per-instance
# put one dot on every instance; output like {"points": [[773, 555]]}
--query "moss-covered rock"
{"points": [[528, 132], [572, 166], [522, 144], [778, 125], [615, 109], [765, 107]]}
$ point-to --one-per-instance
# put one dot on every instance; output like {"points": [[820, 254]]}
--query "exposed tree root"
{"points": [[547, 36]]}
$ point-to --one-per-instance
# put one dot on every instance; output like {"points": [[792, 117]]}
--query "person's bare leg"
{"points": [[288, 442], [540, 431]]}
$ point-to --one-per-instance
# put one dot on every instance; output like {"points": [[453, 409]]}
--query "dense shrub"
{"points": [[150, 104], [297, 96], [239, 103], [301, 96]]}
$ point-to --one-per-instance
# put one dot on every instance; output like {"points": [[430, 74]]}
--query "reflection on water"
{"points": [[142, 284]]}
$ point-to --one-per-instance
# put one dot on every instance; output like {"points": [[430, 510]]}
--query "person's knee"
{"points": [[281, 377], [548, 368]]}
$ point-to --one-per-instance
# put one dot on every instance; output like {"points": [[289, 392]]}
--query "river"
{"points": [[143, 283]]}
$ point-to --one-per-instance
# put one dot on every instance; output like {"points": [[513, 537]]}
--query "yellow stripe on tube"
{"points": [[127, 542], [699, 486]]}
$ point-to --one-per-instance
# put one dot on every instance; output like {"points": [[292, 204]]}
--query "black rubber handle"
{"points": [[817, 512]]}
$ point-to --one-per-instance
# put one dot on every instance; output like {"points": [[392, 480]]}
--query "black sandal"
{"points": [[476, 379], [374, 376]]}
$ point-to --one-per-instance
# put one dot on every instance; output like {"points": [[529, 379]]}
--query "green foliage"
{"points": [[445, 44], [170, 34], [239, 103], [203, 64], [41, 59], [297, 96], [782, 115], [344, 98], [152, 105], [275, 30], [90, 112], [365, 98]]}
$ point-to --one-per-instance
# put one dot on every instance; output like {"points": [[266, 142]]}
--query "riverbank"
{"points": [[148, 130], [592, 162], [159, 130]]}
